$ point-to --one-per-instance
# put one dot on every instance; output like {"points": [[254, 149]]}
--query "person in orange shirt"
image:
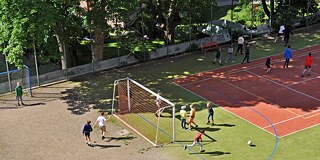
{"points": [[307, 65], [192, 116]]}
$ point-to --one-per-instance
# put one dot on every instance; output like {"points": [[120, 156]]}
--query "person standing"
{"points": [[218, 56], [183, 115], [197, 140], [86, 132], [210, 113], [307, 65], [101, 120], [158, 103], [268, 64], [192, 116], [280, 33], [287, 55], [287, 32], [240, 45], [230, 53], [246, 57], [19, 93]]}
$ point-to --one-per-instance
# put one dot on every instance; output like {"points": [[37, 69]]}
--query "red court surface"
{"points": [[282, 98]]}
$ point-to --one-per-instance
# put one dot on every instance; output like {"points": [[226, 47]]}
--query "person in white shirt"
{"points": [[280, 33], [101, 120], [240, 45]]}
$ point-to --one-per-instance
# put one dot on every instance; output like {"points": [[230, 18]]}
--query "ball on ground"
{"points": [[249, 143]]}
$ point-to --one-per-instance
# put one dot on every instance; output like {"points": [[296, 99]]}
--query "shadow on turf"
{"points": [[225, 125], [108, 139], [104, 145], [215, 153]]}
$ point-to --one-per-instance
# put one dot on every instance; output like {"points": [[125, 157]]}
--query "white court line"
{"points": [[226, 110], [274, 124], [285, 86], [241, 69], [298, 131]]}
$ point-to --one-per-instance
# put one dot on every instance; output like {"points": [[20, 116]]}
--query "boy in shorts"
{"points": [[210, 113], [197, 140], [307, 65], [86, 132], [192, 116], [268, 64]]}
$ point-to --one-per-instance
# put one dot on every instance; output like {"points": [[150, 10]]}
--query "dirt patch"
{"points": [[49, 130]]}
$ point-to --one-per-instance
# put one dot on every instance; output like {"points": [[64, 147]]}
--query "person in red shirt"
{"points": [[308, 65], [197, 140]]}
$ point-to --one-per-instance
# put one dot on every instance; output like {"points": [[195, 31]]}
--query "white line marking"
{"points": [[298, 131]]}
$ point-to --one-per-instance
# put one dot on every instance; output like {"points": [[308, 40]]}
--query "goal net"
{"points": [[136, 106], [9, 79]]}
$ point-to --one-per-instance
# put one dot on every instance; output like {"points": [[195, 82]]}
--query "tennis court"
{"points": [[280, 103]]}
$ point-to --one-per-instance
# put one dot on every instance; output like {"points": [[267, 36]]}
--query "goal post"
{"points": [[135, 105], [10, 79]]}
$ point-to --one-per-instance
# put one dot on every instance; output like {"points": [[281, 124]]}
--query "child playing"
{"points": [[183, 114], [218, 56], [197, 140], [102, 124], [268, 64], [86, 132], [210, 113], [307, 65], [230, 53], [192, 116]]}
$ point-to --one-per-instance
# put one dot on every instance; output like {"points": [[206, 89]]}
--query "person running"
{"points": [[197, 140], [158, 103], [19, 93], [192, 116], [101, 120], [287, 32], [218, 56], [246, 57], [230, 53], [268, 64], [210, 113], [240, 45], [307, 65], [86, 132], [280, 33], [183, 114], [287, 55]]}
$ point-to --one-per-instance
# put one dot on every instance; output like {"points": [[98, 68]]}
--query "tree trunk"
{"points": [[265, 8], [98, 45], [63, 47]]}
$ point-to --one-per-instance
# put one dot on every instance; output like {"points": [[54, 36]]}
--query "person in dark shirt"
{"points": [[268, 64], [218, 56], [246, 57], [86, 132], [286, 33], [19, 93], [210, 113]]}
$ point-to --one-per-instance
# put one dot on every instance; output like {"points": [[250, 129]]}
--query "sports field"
{"points": [[282, 97]]}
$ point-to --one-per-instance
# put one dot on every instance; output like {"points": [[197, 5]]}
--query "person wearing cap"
{"points": [[268, 64], [183, 115], [307, 65]]}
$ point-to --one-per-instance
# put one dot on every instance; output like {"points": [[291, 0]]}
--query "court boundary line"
{"points": [[276, 135], [299, 131], [239, 69]]}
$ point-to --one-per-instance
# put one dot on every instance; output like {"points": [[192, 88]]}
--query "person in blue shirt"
{"points": [[86, 132], [287, 55]]}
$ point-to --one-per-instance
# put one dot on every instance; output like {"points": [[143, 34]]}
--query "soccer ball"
{"points": [[249, 143]]}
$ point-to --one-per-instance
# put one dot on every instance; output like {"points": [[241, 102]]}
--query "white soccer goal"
{"points": [[135, 106]]}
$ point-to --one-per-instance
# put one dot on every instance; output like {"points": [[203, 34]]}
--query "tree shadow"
{"points": [[214, 153], [102, 146]]}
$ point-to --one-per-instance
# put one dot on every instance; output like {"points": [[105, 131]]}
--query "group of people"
{"points": [[241, 43], [87, 129], [288, 55], [184, 115]]}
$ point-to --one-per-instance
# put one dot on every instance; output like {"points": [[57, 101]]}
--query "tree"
{"points": [[28, 22]]}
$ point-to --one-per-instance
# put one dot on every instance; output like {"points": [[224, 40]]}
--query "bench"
{"points": [[205, 47]]}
